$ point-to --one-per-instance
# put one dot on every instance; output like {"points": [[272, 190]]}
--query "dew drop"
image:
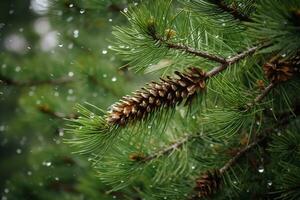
{"points": [[270, 183], [70, 91], [125, 10], [29, 173], [60, 45], [104, 51], [71, 5], [71, 74], [18, 68], [19, 151], [114, 79], [82, 11], [261, 169], [76, 33], [6, 190], [110, 20]]}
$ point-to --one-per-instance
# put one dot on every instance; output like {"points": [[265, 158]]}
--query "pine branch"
{"points": [[152, 32], [233, 11], [195, 52], [239, 154], [46, 110], [8, 81], [233, 60], [165, 151], [264, 93]]}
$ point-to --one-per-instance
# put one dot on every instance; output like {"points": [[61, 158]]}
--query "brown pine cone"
{"points": [[167, 92], [279, 70], [208, 183]]}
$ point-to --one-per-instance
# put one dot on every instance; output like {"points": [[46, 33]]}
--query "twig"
{"points": [[196, 52], [232, 60], [46, 110], [169, 149], [264, 93], [233, 11], [59, 81], [239, 154]]}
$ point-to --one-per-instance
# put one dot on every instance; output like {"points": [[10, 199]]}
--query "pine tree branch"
{"points": [[8, 81], [264, 93], [233, 11], [195, 52], [46, 110], [239, 154], [233, 60], [176, 145]]}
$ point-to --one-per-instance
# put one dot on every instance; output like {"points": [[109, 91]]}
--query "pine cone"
{"points": [[208, 183], [278, 70], [167, 92]]}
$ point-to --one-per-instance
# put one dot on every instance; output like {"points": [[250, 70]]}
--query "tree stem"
{"points": [[179, 143]]}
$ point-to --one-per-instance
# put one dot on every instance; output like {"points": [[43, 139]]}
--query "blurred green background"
{"points": [[55, 54]]}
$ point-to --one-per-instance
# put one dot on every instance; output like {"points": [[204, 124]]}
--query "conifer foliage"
{"points": [[235, 65]]}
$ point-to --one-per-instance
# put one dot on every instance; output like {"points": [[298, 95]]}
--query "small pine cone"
{"points": [[208, 183], [167, 92], [278, 70]]}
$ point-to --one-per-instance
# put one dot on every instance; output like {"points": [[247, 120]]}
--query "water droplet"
{"points": [[71, 5], [283, 55], [19, 151], [6, 190], [70, 91], [71, 74], [29, 173], [76, 33], [223, 24], [125, 10], [113, 79], [270, 183], [135, 3], [2, 128], [47, 164], [92, 115], [193, 167], [114, 197], [104, 75], [122, 181], [18, 68], [70, 46], [56, 178], [261, 169], [60, 45], [104, 51], [81, 11], [61, 132], [110, 20], [149, 127]]}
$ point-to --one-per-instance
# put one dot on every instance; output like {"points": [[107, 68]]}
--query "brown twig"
{"points": [[233, 60], [178, 144], [8, 81], [46, 110], [196, 52], [233, 11], [239, 154]]}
